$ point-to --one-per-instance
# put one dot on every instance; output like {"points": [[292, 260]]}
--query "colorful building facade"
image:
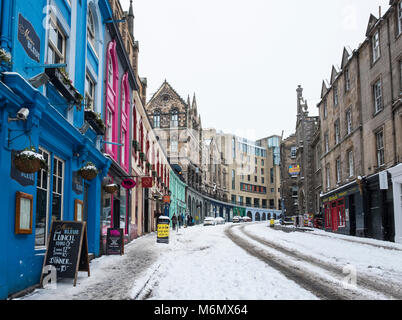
{"points": [[42, 89]]}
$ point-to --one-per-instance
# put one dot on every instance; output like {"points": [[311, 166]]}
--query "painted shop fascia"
{"points": [[52, 127], [177, 190], [361, 208]]}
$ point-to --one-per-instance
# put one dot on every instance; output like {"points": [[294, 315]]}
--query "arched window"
{"points": [[174, 119], [91, 29], [110, 72], [157, 119]]}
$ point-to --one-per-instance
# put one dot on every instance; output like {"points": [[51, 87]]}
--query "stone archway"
{"points": [[269, 216], [250, 215], [257, 217], [264, 216]]}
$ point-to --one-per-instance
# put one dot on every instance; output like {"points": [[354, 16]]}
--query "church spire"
{"points": [[130, 19]]}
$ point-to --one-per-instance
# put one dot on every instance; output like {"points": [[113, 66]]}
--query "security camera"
{"points": [[23, 114]]}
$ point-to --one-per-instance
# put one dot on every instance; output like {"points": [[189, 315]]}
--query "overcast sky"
{"points": [[245, 59]]}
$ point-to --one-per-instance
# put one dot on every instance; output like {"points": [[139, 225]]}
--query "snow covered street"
{"points": [[241, 262]]}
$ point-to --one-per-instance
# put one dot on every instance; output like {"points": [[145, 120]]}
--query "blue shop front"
{"points": [[41, 111]]}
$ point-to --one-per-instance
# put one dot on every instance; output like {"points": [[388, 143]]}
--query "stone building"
{"points": [[289, 171], [306, 127], [341, 137], [177, 125], [361, 130]]}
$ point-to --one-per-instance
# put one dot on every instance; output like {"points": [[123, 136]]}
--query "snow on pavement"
{"points": [[367, 255], [199, 263], [202, 263]]}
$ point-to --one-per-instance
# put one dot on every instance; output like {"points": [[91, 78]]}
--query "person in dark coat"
{"points": [[174, 221], [180, 220]]}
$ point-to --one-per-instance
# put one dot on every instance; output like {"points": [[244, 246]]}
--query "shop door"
{"points": [[146, 211], [116, 213], [334, 216], [86, 193], [352, 215]]}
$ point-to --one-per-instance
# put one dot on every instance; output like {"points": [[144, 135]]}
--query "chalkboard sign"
{"points": [[67, 249], [115, 241]]}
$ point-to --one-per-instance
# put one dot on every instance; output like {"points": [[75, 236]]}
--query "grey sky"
{"points": [[244, 59]]}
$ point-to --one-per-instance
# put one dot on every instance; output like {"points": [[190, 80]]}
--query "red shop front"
{"points": [[335, 214]]}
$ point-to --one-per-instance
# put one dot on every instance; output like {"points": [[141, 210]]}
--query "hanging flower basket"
{"points": [[136, 145], [143, 156], [29, 161], [88, 172], [111, 188]]}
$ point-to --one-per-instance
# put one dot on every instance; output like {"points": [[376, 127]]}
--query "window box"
{"points": [[136, 145], [95, 121], [64, 85]]}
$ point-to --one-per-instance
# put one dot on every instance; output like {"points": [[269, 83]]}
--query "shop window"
{"points": [[58, 189], [341, 213], [42, 203]]}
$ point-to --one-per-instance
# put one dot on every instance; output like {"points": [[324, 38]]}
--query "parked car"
{"points": [[209, 221], [237, 219], [220, 220], [247, 219], [287, 221]]}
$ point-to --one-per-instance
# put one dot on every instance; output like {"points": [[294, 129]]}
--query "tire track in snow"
{"points": [[321, 287], [363, 280]]}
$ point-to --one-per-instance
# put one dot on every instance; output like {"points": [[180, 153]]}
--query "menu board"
{"points": [[115, 241], [67, 249]]}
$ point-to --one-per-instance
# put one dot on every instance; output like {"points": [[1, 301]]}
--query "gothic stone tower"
{"points": [[178, 126]]}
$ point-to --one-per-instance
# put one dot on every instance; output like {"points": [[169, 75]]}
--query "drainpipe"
{"points": [[6, 22], [392, 93]]}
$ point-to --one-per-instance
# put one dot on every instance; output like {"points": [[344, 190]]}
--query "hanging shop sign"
{"points": [[24, 179], [77, 183], [115, 241], [166, 199], [147, 182], [294, 170], [128, 183], [28, 38], [383, 177], [67, 250]]}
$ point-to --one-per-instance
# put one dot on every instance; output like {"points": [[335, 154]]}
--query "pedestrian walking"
{"points": [[174, 221], [180, 220]]}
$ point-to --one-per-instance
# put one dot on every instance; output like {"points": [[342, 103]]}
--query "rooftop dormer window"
{"points": [[375, 42]]}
